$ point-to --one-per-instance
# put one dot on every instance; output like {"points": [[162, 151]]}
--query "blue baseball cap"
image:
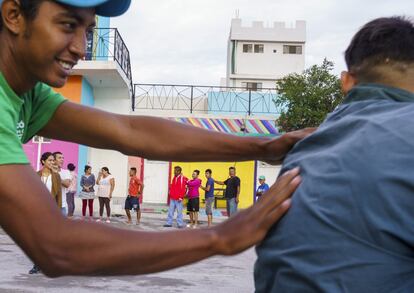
{"points": [[102, 7]]}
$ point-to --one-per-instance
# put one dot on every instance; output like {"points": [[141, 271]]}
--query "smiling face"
{"points": [[49, 163], [47, 47]]}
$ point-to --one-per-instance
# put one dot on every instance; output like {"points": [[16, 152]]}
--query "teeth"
{"points": [[65, 65]]}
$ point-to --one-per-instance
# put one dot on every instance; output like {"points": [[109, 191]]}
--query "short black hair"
{"points": [[106, 169], [197, 171], [71, 167], [232, 168], [29, 9], [209, 171], [87, 167], [44, 157], [134, 169], [178, 168], [57, 153], [382, 41]]}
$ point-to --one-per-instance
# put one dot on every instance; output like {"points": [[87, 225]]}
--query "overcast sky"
{"points": [[185, 41]]}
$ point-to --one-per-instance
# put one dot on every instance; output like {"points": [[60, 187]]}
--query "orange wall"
{"points": [[72, 89]]}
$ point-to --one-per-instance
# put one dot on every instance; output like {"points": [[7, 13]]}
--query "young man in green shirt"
{"points": [[41, 41]]}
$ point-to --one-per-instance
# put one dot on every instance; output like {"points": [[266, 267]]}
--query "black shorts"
{"points": [[132, 202], [193, 204]]}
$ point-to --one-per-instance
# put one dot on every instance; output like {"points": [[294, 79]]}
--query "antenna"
{"points": [[237, 13]]}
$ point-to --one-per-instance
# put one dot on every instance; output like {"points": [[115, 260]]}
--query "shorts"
{"points": [[193, 204], [132, 202], [209, 205]]}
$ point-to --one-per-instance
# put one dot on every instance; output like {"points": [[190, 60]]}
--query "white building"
{"points": [[257, 56]]}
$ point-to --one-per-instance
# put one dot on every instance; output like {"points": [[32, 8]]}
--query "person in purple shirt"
{"points": [[193, 194]]}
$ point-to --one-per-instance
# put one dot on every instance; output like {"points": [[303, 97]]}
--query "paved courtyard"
{"points": [[219, 274]]}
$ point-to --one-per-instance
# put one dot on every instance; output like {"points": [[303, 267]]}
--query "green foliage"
{"points": [[305, 99]]}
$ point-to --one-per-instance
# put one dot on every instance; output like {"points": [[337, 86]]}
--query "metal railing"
{"points": [[107, 44], [204, 99]]}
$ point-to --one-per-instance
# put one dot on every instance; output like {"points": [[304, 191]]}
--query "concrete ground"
{"points": [[221, 274]]}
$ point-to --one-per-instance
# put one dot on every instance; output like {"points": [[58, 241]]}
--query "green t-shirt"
{"points": [[21, 117]]}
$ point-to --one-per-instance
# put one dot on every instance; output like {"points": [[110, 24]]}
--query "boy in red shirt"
{"points": [[178, 189], [134, 192]]}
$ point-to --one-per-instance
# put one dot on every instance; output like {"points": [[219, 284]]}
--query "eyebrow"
{"points": [[71, 14]]}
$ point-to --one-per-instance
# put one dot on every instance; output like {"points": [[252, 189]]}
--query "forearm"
{"points": [[113, 248], [190, 143]]}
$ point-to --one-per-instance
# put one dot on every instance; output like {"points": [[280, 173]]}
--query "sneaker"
{"points": [[98, 220], [108, 221], [34, 270], [189, 226], [194, 227], [181, 227], [167, 226]]}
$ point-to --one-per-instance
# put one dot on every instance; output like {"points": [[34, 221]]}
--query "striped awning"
{"points": [[233, 126]]}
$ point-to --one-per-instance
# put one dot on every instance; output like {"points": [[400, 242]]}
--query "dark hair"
{"points": [[57, 153], [106, 169], [197, 171], [134, 169], [178, 168], [208, 171], [71, 167], [29, 9], [44, 157], [232, 168], [87, 167], [383, 41]]}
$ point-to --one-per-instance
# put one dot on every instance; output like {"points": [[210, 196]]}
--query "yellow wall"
{"points": [[244, 170]]}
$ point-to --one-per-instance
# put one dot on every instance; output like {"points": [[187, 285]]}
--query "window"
{"points": [[258, 48], [254, 86], [247, 48], [288, 49]]}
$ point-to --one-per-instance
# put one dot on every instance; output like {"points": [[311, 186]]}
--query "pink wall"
{"points": [[69, 150]]}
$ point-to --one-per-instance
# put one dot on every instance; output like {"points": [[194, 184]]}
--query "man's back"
{"points": [[351, 224]]}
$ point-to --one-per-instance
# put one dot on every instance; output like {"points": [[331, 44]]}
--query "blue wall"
{"points": [[87, 99]]}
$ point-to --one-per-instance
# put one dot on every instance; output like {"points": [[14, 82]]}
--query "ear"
{"points": [[348, 81], [12, 16]]}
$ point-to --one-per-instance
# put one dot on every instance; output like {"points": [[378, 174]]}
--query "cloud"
{"points": [[185, 41]]}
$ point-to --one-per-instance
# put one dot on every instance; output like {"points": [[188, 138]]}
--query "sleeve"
{"points": [[82, 181], [94, 180], [237, 181], [266, 188], [226, 181], [45, 103], [11, 149]]}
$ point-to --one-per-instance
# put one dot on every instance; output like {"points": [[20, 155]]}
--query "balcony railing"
{"points": [[205, 99], [106, 44]]}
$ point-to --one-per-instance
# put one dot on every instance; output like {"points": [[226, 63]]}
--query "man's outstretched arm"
{"points": [[64, 247], [161, 139]]}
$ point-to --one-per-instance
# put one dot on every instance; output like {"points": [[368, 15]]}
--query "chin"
{"points": [[57, 82]]}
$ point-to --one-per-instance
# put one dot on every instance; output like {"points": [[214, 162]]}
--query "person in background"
{"points": [[52, 182], [87, 194], [193, 194], [134, 193], [209, 196], [262, 188], [70, 195], [65, 177], [106, 185], [232, 191], [178, 189]]}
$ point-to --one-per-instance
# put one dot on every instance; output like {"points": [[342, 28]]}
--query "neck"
{"points": [[45, 171], [12, 67]]}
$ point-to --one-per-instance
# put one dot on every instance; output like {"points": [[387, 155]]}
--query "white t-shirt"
{"points": [[47, 181], [104, 187], [64, 175]]}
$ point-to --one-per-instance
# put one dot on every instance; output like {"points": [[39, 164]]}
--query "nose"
{"points": [[78, 45]]}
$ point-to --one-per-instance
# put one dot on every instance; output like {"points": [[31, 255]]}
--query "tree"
{"points": [[305, 99]]}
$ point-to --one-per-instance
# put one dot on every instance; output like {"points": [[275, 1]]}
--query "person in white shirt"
{"points": [[65, 177], [70, 196], [106, 185]]}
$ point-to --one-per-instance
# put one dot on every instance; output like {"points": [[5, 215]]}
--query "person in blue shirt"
{"points": [[263, 187], [351, 224], [209, 196]]}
